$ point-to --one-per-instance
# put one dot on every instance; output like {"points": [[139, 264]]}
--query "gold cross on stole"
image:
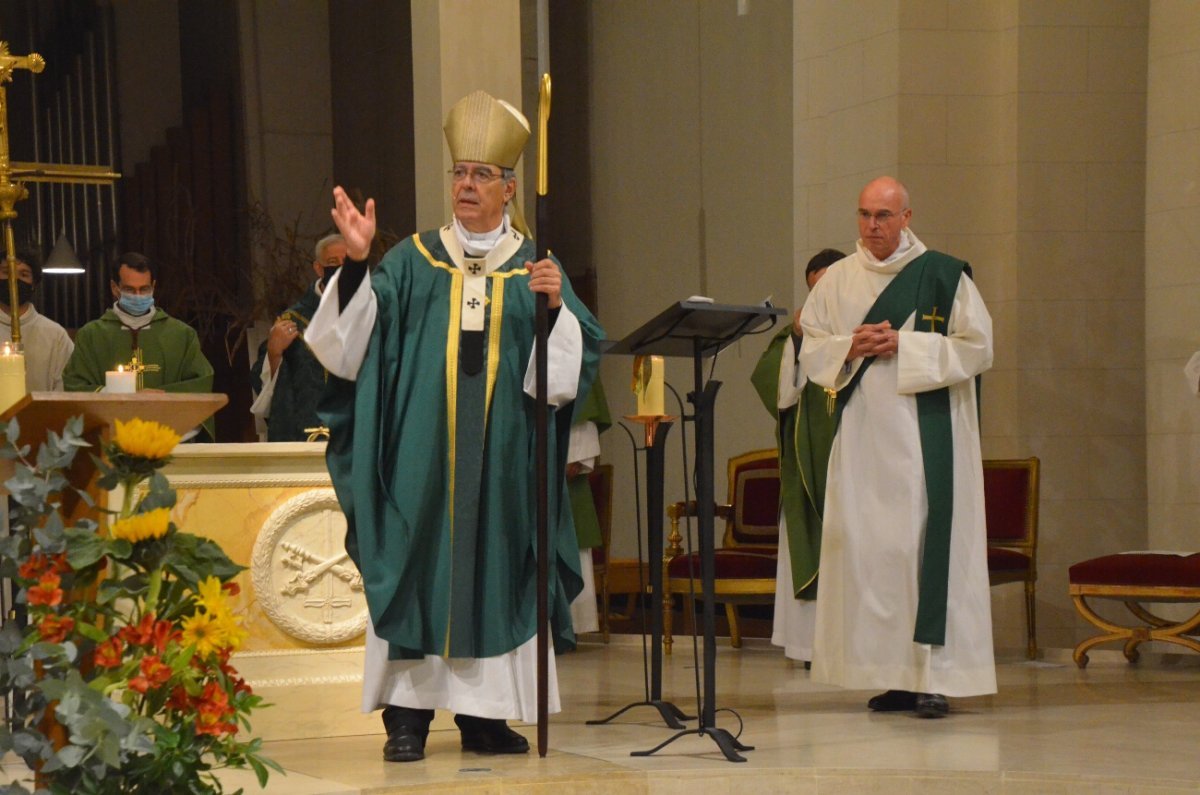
{"points": [[139, 366], [933, 319]]}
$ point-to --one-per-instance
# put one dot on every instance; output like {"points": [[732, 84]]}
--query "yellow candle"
{"points": [[648, 384], [120, 381], [12, 375]]}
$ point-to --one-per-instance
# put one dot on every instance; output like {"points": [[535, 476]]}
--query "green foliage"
{"points": [[128, 635]]}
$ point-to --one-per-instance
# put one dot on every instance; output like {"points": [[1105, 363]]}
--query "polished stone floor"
{"points": [[1052, 728]]}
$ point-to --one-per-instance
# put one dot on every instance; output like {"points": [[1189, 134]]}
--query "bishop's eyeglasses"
{"points": [[479, 175]]}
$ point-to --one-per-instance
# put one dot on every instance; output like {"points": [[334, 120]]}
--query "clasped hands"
{"points": [[874, 339], [358, 229]]}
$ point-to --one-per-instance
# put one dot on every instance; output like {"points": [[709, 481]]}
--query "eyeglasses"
{"points": [[881, 217], [478, 175]]}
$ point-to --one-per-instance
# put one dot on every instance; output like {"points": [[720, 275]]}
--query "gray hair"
{"points": [[325, 243], [507, 173]]}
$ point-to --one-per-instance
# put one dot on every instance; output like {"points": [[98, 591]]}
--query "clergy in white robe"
{"points": [[876, 501]]}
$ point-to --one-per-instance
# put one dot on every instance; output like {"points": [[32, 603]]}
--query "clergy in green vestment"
{"points": [[804, 433], [169, 347], [901, 332], [590, 420], [431, 415], [287, 379]]}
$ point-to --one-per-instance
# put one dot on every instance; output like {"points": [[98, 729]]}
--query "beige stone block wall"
{"points": [[1172, 276]]}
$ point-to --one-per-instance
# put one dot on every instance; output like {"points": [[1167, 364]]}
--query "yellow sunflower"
{"points": [[203, 631], [230, 629], [211, 597], [145, 439], [142, 526]]}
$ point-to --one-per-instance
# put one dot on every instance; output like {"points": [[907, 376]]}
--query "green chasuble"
{"points": [[804, 433], [593, 408], [432, 455], [170, 344], [300, 381]]}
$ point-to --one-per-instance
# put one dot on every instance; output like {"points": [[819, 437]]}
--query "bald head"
{"points": [[883, 214]]}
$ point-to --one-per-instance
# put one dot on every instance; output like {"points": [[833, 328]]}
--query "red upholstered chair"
{"points": [[745, 562], [1010, 496], [601, 481]]}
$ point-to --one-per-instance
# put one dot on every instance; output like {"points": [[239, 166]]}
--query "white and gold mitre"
{"points": [[483, 129]]}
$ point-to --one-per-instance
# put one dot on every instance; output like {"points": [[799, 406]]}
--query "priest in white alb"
{"points": [[901, 333]]}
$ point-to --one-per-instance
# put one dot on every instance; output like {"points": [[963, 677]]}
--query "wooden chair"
{"points": [[1010, 496], [601, 481], [746, 560]]}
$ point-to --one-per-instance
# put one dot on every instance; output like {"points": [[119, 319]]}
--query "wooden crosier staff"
{"points": [[541, 425]]}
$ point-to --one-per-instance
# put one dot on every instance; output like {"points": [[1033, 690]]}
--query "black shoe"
{"points": [[489, 736], [404, 745], [932, 705], [894, 701]]}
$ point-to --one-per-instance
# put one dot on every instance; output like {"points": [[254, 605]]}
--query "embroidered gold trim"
{"points": [[437, 263], [493, 352], [452, 331]]}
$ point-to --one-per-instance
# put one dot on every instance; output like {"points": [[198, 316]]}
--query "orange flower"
{"points": [[32, 568], [164, 633], [109, 653], [154, 674], [54, 629], [139, 634], [46, 592], [179, 700], [212, 710]]}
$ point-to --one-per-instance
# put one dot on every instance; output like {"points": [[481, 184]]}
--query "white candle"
{"points": [[12, 375], [649, 387], [120, 381]]}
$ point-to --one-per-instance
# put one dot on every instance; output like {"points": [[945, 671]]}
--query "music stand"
{"points": [[697, 329]]}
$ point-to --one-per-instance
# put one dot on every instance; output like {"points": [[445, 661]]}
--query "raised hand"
{"points": [[357, 228]]}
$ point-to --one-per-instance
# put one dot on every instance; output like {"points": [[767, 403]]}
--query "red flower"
{"points": [[154, 674], [139, 634], [179, 700], [46, 592], [109, 653], [164, 632], [54, 629], [211, 711], [231, 588], [32, 568]]}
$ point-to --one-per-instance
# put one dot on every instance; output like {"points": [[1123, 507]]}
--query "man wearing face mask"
{"points": [[132, 323], [47, 346], [287, 377]]}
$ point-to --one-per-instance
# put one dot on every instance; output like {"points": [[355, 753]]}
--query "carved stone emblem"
{"points": [[303, 577]]}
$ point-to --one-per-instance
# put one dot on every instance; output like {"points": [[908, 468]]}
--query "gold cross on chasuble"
{"points": [[139, 366], [933, 319]]}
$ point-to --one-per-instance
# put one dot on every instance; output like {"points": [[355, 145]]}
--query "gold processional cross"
{"points": [[138, 365], [14, 175]]}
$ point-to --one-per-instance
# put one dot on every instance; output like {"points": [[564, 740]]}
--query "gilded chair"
{"points": [[601, 481], [745, 563], [1010, 496]]}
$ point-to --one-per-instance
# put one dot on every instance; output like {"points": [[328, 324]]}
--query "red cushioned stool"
{"points": [[1133, 578]]}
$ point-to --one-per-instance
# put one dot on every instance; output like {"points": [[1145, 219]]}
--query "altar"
{"points": [[272, 508]]}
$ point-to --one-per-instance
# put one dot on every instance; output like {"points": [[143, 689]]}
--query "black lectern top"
{"points": [[687, 325]]}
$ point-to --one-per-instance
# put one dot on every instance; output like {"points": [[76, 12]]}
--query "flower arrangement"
{"points": [[120, 678]]}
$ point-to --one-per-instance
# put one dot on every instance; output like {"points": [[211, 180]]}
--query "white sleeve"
{"points": [[823, 353], [1192, 372], [339, 338], [584, 445], [261, 407], [564, 353], [790, 381], [928, 360]]}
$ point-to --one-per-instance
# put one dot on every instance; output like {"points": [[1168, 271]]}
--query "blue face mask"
{"points": [[136, 304]]}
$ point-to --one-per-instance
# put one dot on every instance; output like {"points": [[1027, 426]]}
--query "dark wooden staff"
{"points": [[542, 429]]}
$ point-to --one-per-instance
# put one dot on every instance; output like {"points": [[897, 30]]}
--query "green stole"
{"points": [[804, 433], [928, 283], [593, 408]]}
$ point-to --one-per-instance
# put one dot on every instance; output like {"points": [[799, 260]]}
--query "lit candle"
{"points": [[648, 385], [120, 381], [12, 375]]}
